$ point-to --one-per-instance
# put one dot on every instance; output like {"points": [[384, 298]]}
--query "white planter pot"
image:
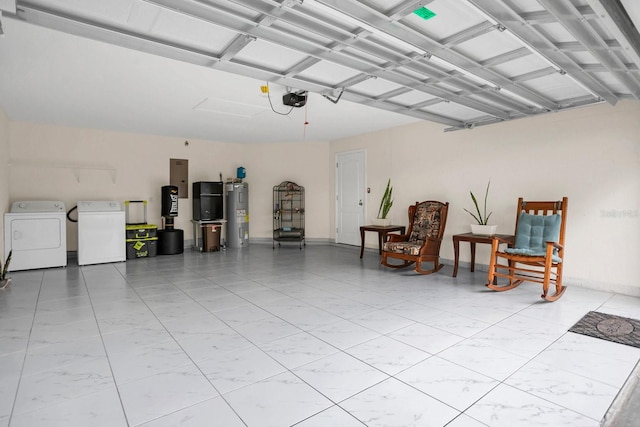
{"points": [[382, 222], [483, 230]]}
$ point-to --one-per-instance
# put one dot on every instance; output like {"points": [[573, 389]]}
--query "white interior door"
{"points": [[350, 196]]}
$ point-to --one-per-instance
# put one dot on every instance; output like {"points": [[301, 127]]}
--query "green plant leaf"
{"points": [[486, 195], [482, 218], [474, 217], [3, 274], [386, 202]]}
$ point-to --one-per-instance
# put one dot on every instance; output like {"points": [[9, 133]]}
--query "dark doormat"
{"points": [[609, 327]]}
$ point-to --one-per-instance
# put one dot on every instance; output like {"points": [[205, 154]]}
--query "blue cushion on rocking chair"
{"points": [[532, 233]]}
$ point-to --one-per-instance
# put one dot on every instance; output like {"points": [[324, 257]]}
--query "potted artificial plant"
{"points": [[385, 206], [4, 280], [482, 218]]}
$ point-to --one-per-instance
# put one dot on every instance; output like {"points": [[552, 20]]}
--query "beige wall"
{"points": [[4, 173], [306, 164], [72, 164], [591, 155]]}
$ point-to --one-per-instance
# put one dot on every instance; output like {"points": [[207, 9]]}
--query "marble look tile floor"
{"points": [[313, 337]]}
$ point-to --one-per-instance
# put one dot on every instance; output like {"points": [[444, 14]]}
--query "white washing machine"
{"points": [[101, 232], [36, 233]]}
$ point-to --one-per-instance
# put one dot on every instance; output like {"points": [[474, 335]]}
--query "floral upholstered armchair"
{"points": [[423, 239]]}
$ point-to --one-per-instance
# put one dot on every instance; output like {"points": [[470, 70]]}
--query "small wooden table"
{"points": [[473, 239], [382, 234]]}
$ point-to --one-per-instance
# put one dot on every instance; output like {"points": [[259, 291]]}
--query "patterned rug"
{"points": [[609, 327]]}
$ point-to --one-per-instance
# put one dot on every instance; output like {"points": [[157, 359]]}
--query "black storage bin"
{"points": [[142, 248], [141, 231], [170, 242]]}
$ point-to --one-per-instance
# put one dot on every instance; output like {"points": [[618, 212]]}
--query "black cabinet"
{"points": [[208, 200]]}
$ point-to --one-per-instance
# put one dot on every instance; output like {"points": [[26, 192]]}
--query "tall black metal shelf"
{"points": [[288, 213]]}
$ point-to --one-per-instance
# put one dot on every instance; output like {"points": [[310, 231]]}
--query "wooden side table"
{"points": [[473, 239], [382, 234]]}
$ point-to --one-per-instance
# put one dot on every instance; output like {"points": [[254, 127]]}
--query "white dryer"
{"points": [[101, 232], [36, 233]]}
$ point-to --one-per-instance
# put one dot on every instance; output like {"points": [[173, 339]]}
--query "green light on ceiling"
{"points": [[424, 13]]}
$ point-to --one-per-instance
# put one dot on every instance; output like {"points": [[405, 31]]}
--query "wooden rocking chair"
{"points": [[538, 251], [422, 241]]}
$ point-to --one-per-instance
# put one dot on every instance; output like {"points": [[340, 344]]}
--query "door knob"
{"points": [[360, 203]]}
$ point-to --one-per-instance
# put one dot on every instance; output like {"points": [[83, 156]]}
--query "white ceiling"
{"points": [[194, 68]]}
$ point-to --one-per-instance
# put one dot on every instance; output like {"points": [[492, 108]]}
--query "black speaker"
{"points": [[169, 201], [208, 200]]}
